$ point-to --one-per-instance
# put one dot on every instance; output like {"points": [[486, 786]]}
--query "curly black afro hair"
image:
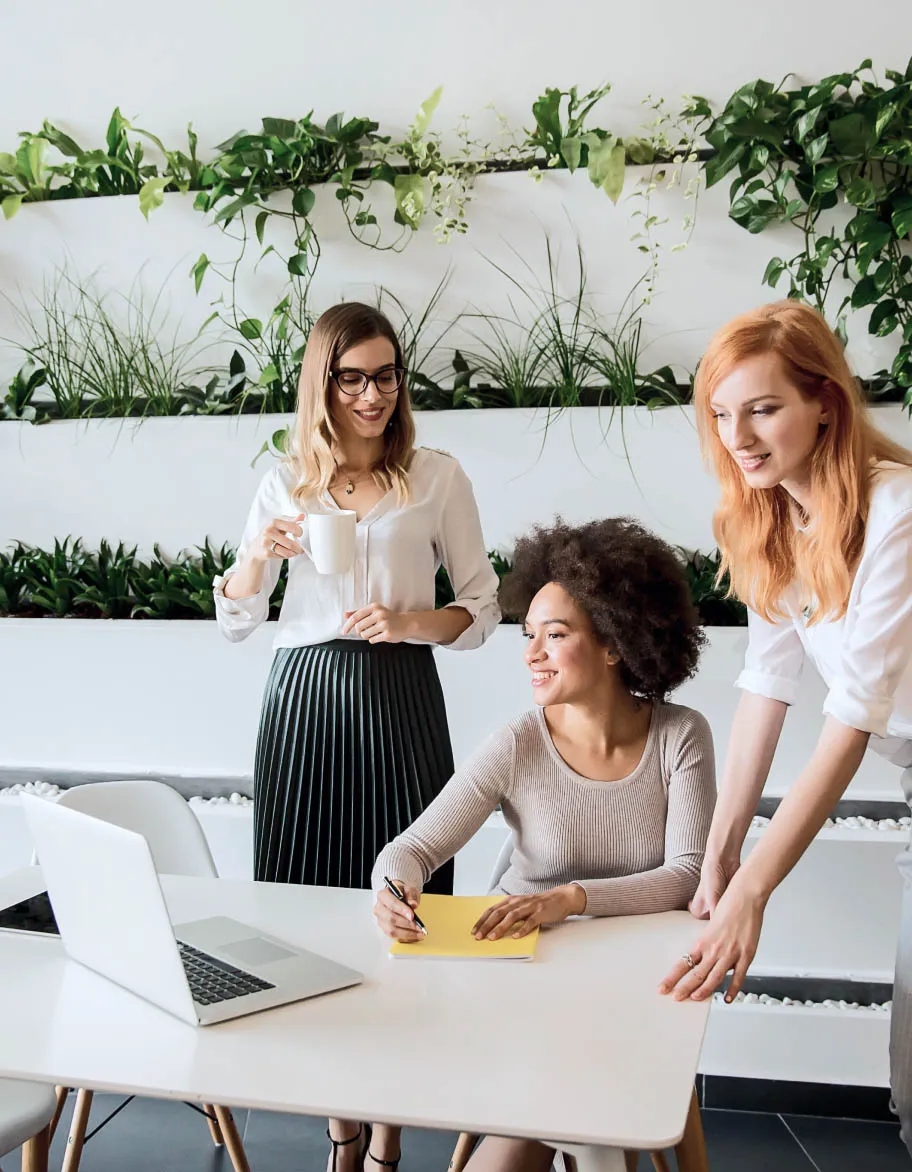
{"points": [[633, 588]]}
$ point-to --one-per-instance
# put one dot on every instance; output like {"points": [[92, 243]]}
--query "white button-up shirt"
{"points": [[864, 658], [398, 550]]}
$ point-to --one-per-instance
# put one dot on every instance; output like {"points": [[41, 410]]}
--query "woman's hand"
{"points": [[395, 919], [728, 942], [715, 877], [378, 624], [518, 915], [278, 539]]}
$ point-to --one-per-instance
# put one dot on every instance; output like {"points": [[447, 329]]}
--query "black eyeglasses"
{"points": [[354, 382]]}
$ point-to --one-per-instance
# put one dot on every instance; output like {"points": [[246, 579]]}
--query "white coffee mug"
{"points": [[332, 540]]}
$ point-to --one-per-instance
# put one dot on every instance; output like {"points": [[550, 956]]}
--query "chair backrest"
{"points": [[502, 861], [157, 812], [25, 1109]]}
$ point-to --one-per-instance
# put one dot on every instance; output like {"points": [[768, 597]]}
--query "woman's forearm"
{"points": [[246, 580], [754, 735], [804, 809], [438, 626]]}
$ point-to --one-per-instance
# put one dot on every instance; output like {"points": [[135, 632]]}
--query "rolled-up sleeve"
{"points": [[877, 643], [461, 547], [237, 617], [774, 659]]}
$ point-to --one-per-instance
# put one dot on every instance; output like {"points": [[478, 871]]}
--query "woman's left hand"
{"points": [[377, 624], [518, 915], [728, 942]]}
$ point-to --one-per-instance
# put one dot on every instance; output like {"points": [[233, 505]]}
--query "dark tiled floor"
{"points": [[150, 1136]]}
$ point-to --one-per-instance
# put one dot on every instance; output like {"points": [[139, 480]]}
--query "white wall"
{"points": [[225, 68]]}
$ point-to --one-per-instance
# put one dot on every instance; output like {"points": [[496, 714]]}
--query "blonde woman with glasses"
{"points": [[353, 742]]}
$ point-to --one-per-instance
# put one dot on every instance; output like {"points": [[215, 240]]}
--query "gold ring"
{"points": [[274, 544], [689, 960]]}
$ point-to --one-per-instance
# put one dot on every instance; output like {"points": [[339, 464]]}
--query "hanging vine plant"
{"points": [[297, 155], [798, 153]]}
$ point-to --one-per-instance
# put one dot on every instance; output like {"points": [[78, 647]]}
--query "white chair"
{"points": [[162, 816], [28, 1112], [690, 1152]]}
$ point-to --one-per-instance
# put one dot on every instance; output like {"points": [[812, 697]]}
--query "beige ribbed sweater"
{"points": [[634, 845]]}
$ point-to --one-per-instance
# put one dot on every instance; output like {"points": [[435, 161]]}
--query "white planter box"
{"points": [[847, 1046], [175, 481], [104, 478]]}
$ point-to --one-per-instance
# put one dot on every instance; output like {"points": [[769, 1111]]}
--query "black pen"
{"points": [[391, 887]]}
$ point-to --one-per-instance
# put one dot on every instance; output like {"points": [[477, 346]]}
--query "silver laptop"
{"points": [[112, 917]]}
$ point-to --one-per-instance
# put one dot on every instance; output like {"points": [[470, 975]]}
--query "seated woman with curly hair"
{"points": [[607, 788]]}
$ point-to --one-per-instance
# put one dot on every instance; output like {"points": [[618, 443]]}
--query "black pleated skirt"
{"points": [[353, 745]]}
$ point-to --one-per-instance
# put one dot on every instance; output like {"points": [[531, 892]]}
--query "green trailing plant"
{"points": [[249, 170], [113, 582], [795, 154], [274, 349]]}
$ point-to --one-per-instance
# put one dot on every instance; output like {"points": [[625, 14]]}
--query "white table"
{"points": [[576, 1048]]}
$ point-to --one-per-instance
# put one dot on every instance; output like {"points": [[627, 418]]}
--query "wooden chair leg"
{"points": [[691, 1151], [660, 1162], [78, 1125], [62, 1093], [214, 1130], [232, 1139], [35, 1152], [465, 1145]]}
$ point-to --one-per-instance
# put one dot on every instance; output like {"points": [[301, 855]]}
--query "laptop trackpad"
{"points": [[255, 950]]}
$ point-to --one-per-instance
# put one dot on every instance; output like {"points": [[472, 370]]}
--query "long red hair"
{"points": [[762, 550]]}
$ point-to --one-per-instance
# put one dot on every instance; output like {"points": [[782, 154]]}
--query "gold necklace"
{"points": [[349, 486]]}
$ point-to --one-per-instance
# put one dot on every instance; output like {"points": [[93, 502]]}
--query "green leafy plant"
{"points": [[50, 581], [180, 588], [70, 581], [795, 154], [710, 594], [18, 402]]}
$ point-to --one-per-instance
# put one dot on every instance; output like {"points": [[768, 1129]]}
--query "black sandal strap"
{"points": [[340, 1143], [394, 1164]]}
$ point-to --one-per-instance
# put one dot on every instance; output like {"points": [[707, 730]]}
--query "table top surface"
{"points": [[576, 1046]]}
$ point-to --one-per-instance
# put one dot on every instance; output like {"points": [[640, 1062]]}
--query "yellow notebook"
{"points": [[449, 920]]}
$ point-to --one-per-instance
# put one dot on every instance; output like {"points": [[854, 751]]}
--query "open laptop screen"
{"points": [[30, 915]]}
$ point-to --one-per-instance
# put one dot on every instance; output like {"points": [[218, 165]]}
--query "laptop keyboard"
{"points": [[214, 980]]}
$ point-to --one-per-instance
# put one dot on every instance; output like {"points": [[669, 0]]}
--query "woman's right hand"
{"points": [[279, 539], [395, 919], [714, 879]]}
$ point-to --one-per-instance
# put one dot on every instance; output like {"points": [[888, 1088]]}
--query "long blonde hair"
{"points": [[762, 550], [315, 441]]}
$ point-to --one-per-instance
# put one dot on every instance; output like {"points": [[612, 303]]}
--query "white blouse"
{"points": [[864, 658], [397, 553]]}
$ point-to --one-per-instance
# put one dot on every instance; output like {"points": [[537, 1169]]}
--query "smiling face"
{"points": [[566, 660], [770, 428], [364, 416]]}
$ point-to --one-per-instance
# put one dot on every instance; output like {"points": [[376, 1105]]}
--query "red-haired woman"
{"points": [[815, 528]]}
